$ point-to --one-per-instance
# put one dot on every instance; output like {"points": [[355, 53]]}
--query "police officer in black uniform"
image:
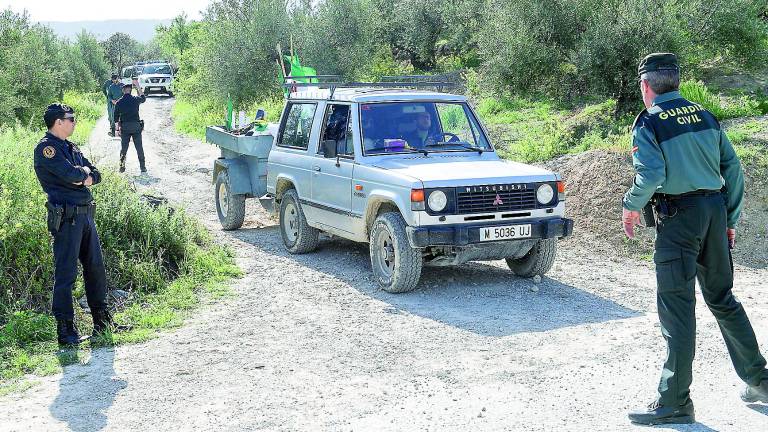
{"points": [[129, 125], [687, 167], [65, 175]]}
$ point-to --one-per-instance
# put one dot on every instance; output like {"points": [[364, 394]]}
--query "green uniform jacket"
{"points": [[105, 87], [678, 147], [115, 91]]}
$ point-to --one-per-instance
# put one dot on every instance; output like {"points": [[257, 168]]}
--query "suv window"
{"points": [[298, 124], [337, 127], [157, 69], [395, 127]]}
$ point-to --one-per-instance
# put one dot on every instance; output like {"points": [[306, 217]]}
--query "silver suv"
{"points": [[156, 77], [410, 172]]}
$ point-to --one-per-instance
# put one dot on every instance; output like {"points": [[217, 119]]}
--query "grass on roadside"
{"points": [[530, 131], [161, 258]]}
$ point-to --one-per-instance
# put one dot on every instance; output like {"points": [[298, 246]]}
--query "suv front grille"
{"points": [[495, 198]]}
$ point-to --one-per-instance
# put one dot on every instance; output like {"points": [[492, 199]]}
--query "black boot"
{"points": [[102, 321], [122, 164], [657, 413], [67, 333]]}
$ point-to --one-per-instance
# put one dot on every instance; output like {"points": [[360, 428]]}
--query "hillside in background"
{"points": [[141, 30]]}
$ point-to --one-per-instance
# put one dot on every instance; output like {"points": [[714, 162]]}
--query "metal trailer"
{"points": [[239, 173]]}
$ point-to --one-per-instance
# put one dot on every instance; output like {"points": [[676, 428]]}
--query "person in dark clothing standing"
{"points": [[129, 125], [110, 93], [65, 176]]}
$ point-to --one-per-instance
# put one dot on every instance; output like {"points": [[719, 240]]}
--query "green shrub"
{"points": [[696, 91], [26, 327]]}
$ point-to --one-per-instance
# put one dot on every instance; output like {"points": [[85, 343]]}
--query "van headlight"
{"points": [[545, 193], [437, 200]]}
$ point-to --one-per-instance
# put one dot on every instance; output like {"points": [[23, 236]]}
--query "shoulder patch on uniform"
{"points": [[639, 116], [49, 152]]}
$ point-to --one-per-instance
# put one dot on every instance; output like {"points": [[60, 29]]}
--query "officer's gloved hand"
{"points": [[731, 237], [630, 218]]}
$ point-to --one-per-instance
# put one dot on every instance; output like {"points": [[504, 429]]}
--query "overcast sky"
{"points": [[101, 10]]}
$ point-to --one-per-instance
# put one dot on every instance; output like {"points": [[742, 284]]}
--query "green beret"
{"points": [[658, 62]]}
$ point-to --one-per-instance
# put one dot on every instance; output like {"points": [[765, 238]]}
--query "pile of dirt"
{"points": [[595, 184]]}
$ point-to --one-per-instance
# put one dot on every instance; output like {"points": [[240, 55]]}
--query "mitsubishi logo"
{"points": [[498, 200]]}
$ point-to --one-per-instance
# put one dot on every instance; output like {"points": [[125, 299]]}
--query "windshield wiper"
{"points": [[389, 149], [479, 150]]}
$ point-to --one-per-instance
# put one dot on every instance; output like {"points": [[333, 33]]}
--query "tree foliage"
{"points": [[121, 50]]}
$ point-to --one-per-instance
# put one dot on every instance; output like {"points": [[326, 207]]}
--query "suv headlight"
{"points": [[437, 200], [545, 193]]}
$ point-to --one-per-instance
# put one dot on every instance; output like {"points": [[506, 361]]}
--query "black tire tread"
{"points": [[309, 237], [538, 261], [236, 210], [407, 274]]}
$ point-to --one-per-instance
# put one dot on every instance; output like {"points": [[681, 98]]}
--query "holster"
{"points": [[55, 217], [649, 217]]}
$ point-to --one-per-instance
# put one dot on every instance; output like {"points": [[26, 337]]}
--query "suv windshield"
{"points": [[424, 126], [157, 69]]}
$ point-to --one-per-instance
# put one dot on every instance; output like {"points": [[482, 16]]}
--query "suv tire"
{"points": [[396, 265], [538, 261], [230, 208], [298, 236]]}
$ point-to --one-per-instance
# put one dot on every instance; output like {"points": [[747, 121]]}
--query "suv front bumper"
{"points": [[462, 235]]}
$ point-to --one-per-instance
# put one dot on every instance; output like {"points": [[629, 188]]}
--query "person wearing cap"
{"points": [[129, 124], [65, 175], [113, 92], [687, 167]]}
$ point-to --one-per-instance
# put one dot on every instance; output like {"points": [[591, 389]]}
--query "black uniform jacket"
{"points": [[58, 165], [127, 108]]}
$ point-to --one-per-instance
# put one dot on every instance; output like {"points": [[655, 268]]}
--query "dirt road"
{"points": [[310, 343]]}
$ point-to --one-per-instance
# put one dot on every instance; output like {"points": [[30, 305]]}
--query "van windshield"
{"points": [[157, 69], [423, 126]]}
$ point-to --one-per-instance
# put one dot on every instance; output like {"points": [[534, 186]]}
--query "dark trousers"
{"points": [[111, 115], [77, 240], [691, 244], [127, 132]]}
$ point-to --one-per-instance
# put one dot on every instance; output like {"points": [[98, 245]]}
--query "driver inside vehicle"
{"points": [[422, 133]]}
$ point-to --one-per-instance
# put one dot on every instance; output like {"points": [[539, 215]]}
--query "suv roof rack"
{"points": [[400, 81]]}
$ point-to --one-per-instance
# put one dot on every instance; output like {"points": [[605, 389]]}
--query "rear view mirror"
{"points": [[329, 148]]}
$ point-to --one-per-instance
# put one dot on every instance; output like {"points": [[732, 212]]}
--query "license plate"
{"points": [[505, 232]]}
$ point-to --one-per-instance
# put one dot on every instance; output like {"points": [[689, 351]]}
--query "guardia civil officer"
{"points": [[129, 125], [685, 165], [65, 175], [113, 92]]}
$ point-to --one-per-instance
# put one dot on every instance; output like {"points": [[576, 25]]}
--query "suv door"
{"points": [[332, 177]]}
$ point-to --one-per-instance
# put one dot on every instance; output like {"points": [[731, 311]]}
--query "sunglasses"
{"points": [[72, 119]]}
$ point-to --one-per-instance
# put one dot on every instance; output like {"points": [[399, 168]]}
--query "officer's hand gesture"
{"points": [[731, 233], [88, 181], [630, 218]]}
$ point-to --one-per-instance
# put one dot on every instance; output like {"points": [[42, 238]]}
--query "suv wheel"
{"points": [[537, 261], [298, 236], [230, 208], [396, 265]]}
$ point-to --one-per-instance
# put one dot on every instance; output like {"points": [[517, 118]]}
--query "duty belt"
{"points": [[71, 211], [700, 192]]}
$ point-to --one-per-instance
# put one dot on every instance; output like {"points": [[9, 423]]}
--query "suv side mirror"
{"points": [[329, 148]]}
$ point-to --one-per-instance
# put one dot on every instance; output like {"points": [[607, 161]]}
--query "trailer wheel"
{"points": [[298, 236], [231, 208]]}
